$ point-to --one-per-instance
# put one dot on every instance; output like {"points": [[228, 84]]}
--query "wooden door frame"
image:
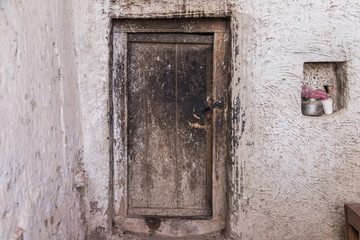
{"points": [[118, 120]]}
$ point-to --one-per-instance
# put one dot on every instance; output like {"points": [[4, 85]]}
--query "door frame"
{"points": [[118, 127]]}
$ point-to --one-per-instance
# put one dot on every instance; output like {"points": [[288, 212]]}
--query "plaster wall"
{"points": [[40, 137], [290, 174], [92, 46]]}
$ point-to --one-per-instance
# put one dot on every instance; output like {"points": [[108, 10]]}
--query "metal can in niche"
{"points": [[312, 107]]}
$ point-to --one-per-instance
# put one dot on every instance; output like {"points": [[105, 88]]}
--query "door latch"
{"points": [[218, 104]]}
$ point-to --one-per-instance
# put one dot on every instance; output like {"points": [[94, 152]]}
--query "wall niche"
{"points": [[330, 78]]}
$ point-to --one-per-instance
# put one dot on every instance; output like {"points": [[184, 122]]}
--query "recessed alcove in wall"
{"points": [[329, 77]]}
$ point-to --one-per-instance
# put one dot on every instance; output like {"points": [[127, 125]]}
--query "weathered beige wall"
{"points": [[290, 174], [40, 136], [92, 40]]}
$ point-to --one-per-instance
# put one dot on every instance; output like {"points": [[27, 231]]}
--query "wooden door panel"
{"points": [[169, 133], [152, 137], [194, 73]]}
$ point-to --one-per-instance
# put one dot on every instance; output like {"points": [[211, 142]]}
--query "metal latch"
{"points": [[218, 104]]}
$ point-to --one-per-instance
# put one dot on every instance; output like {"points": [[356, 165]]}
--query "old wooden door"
{"points": [[170, 124], [169, 118]]}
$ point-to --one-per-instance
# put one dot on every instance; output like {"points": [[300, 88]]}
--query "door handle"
{"points": [[218, 104]]}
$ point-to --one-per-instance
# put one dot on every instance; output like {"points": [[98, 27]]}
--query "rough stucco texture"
{"points": [[40, 137], [291, 174], [92, 38]]}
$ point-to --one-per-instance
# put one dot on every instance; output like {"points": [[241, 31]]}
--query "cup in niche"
{"points": [[328, 106]]}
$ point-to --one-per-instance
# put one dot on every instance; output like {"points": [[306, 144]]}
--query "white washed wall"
{"points": [[40, 131], [291, 174]]}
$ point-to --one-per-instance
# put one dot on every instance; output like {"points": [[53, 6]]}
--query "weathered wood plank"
{"points": [[174, 212], [119, 121], [193, 95], [221, 76], [151, 117], [171, 38]]}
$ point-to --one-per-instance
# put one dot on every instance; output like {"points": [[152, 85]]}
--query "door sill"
{"points": [[169, 227]]}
